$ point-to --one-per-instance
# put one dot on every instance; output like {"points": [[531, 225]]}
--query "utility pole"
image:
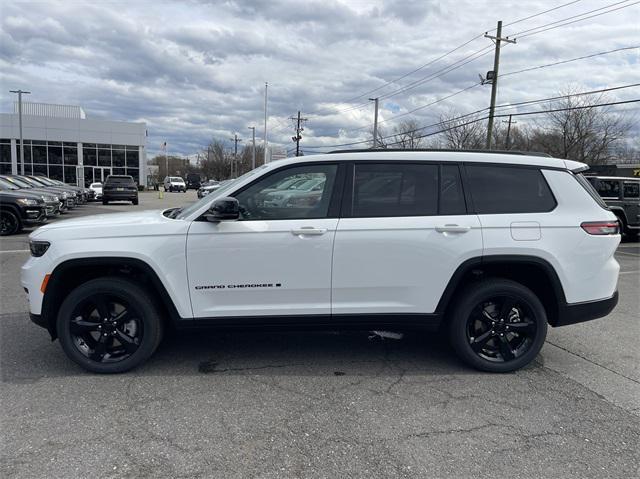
{"points": [[299, 129], [494, 77], [253, 152], [506, 141], [266, 87], [235, 140], [375, 123], [20, 93]]}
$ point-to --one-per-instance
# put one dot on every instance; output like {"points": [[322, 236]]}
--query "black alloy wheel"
{"points": [[109, 325], [106, 328], [500, 329], [9, 223], [498, 325]]}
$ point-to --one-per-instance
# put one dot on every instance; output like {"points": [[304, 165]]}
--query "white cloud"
{"points": [[196, 70]]}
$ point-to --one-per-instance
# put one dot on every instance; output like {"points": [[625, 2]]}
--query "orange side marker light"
{"points": [[45, 281]]}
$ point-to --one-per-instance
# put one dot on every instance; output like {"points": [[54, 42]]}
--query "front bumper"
{"points": [[572, 313], [34, 215], [52, 209]]}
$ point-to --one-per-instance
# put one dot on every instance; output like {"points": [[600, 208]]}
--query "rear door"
{"points": [[403, 233]]}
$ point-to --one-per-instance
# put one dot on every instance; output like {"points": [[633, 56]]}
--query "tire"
{"points": [[488, 342], [91, 342], [135, 202], [10, 223], [105, 202]]}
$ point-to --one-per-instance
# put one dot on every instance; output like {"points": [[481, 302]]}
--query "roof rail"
{"points": [[445, 150]]}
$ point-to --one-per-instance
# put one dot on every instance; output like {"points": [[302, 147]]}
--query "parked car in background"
{"points": [[174, 183], [208, 187], [622, 196], [51, 201], [19, 209], [82, 192], [119, 188], [305, 190], [67, 197], [193, 181], [97, 190]]}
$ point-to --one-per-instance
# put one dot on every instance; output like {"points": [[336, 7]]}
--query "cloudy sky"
{"points": [[193, 70]]}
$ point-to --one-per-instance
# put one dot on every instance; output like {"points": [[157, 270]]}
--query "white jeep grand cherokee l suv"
{"points": [[490, 247]]}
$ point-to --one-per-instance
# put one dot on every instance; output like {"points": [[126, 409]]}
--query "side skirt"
{"points": [[417, 321]]}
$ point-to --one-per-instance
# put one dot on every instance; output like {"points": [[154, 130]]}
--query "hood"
{"points": [[134, 223]]}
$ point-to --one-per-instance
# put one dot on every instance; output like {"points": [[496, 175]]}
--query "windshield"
{"points": [[19, 183], [96, 185], [219, 193], [7, 185], [119, 180], [176, 180], [40, 181]]}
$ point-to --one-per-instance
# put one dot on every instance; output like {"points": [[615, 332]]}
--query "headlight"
{"points": [[27, 202], [38, 248]]}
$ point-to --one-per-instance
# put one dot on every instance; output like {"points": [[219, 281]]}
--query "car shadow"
{"points": [[28, 355]]}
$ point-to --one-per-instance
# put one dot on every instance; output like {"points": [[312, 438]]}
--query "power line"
{"points": [[571, 60], [504, 106], [558, 23]]}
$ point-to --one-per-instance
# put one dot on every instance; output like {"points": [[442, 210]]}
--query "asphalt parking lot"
{"points": [[320, 404]]}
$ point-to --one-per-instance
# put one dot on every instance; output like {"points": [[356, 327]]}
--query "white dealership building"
{"points": [[62, 143]]}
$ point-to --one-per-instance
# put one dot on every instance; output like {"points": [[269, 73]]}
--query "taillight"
{"points": [[601, 227]]}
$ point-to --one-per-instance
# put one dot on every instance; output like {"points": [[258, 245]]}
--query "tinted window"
{"points": [[606, 188], [395, 190], [503, 189], [451, 194], [299, 192], [119, 180], [631, 189]]}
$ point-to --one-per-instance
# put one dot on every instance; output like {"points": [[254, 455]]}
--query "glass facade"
{"points": [[5, 156], [59, 160]]}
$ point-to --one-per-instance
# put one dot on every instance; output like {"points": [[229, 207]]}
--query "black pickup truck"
{"points": [[622, 196], [18, 210]]}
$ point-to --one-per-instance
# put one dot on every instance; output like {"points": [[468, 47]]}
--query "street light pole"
{"points": [[20, 92], [253, 153], [266, 87]]}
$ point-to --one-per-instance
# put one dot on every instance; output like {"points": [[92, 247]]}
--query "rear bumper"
{"points": [[120, 195], [573, 313]]}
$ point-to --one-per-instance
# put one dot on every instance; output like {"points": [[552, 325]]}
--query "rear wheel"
{"points": [[10, 224], [109, 325], [105, 202], [498, 326]]}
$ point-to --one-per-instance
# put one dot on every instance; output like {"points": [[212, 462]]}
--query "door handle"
{"points": [[452, 229], [309, 231]]}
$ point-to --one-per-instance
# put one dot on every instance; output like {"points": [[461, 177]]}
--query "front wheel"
{"points": [[498, 326], [135, 202], [109, 325], [9, 223]]}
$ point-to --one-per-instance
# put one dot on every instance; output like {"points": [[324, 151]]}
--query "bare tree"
{"points": [[407, 135], [574, 128], [466, 133]]}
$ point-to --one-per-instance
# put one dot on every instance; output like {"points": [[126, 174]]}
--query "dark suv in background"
{"points": [[18, 209], [119, 188], [622, 196]]}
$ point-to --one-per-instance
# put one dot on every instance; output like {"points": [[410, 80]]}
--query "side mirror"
{"points": [[223, 209]]}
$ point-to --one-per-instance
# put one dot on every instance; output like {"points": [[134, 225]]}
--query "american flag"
{"points": [[163, 146]]}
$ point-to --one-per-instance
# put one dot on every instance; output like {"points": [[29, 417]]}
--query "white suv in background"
{"points": [[174, 183], [490, 247]]}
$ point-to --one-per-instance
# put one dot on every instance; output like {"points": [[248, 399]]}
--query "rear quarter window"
{"points": [[497, 189], [631, 189]]}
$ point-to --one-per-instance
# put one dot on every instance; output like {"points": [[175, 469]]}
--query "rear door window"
{"points": [[631, 189], [497, 189], [395, 189], [607, 188]]}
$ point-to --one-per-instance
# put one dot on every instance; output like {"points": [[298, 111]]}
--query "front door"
{"points": [[275, 260]]}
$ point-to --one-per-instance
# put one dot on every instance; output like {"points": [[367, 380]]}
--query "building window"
{"points": [[40, 170], [70, 174], [70, 155], [55, 172], [133, 158], [89, 155], [54, 153], [104, 158], [5, 156], [118, 158]]}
